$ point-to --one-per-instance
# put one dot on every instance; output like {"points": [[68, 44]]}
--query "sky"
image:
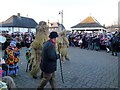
{"points": [[74, 11]]}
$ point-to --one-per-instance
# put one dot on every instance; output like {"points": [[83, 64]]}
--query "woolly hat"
{"points": [[53, 35], [13, 43]]}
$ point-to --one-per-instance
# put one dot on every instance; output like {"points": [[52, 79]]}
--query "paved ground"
{"points": [[86, 69]]}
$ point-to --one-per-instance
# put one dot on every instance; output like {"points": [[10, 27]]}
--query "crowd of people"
{"points": [[96, 41], [9, 63], [22, 39]]}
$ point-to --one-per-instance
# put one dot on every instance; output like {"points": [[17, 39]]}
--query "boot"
{"points": [[38, 88], [68, 59], [35, 77], [112, 53]]}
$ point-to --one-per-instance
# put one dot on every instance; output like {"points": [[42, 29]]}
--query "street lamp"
{"points": [[61, 13]]}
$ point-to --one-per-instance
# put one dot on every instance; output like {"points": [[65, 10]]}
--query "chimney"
{"points": [[18, 14]]}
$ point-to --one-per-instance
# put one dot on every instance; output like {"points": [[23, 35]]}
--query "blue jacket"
{"points": [[49, 58]]}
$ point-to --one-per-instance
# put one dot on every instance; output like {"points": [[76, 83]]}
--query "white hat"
{"points": [[13, 43]]}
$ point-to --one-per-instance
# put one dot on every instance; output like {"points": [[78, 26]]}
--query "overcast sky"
{"points": [[74, 11]]}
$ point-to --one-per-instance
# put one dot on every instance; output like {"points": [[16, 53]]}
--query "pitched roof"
{"points": [[89, 22], [114, 26], [18, 21], [56, 25]]}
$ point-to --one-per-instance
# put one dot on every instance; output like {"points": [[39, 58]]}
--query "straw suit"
{"points": [[63, 44], [40, 38]]}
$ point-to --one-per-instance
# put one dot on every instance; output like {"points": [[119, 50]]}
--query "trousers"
{"points": [[48, 77]]}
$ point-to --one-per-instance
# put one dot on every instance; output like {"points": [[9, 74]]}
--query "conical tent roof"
{"points": [[90, 19], [90, 23]]}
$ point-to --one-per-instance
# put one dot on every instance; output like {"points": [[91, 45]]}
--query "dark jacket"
{"points": [[97, 40], [49, 58]]}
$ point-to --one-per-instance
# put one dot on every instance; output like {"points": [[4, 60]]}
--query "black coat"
{"points": [[49, 58], [97, 40]]}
